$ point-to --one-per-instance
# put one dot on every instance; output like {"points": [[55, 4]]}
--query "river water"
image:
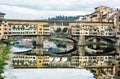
{"points": [[48, 74], [60, 73], [64, 46]]}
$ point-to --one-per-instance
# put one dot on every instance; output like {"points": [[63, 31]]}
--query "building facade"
{"points": [[3, 27], [28, 28], [104, 21], [92, 29], [100, 14]]}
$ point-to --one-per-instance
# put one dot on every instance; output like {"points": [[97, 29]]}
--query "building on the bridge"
{"points": [[28, 28], [92, 29], [105, 14], [97, 23], [104, 21], [33, 28]]}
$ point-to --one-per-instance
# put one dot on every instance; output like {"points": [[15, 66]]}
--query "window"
{"points": [[95, 30], [118, 74], [5, 25], [5, 32], [33, 57], [5, 29], [40, 32]]}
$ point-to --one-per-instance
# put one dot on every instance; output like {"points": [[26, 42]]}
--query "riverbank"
{"points": [[4, 51]]}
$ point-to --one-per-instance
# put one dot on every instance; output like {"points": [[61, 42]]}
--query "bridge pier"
{"points": [[81, 40], [117, 50], [81, 50], [94, 40], [118, 41]]}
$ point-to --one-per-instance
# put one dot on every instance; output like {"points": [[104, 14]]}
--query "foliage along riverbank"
{"points": [[4, 51]]}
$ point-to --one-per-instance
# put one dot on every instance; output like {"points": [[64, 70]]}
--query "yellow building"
{"points": [[4, 30], [100, 14], [28, 28], [44, 29], [3, 27], [92, 29]]}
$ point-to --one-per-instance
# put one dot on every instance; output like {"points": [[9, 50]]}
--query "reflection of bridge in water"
{"points": [[105, 72], [101, 66], [99, 71], [96, 41]]}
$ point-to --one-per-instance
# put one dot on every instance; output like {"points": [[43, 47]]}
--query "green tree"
{"points": [[3, 56]]}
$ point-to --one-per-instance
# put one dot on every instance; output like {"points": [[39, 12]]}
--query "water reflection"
{"points": [[49, 74], [93, 49], [59, 45], [99, 50]]}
